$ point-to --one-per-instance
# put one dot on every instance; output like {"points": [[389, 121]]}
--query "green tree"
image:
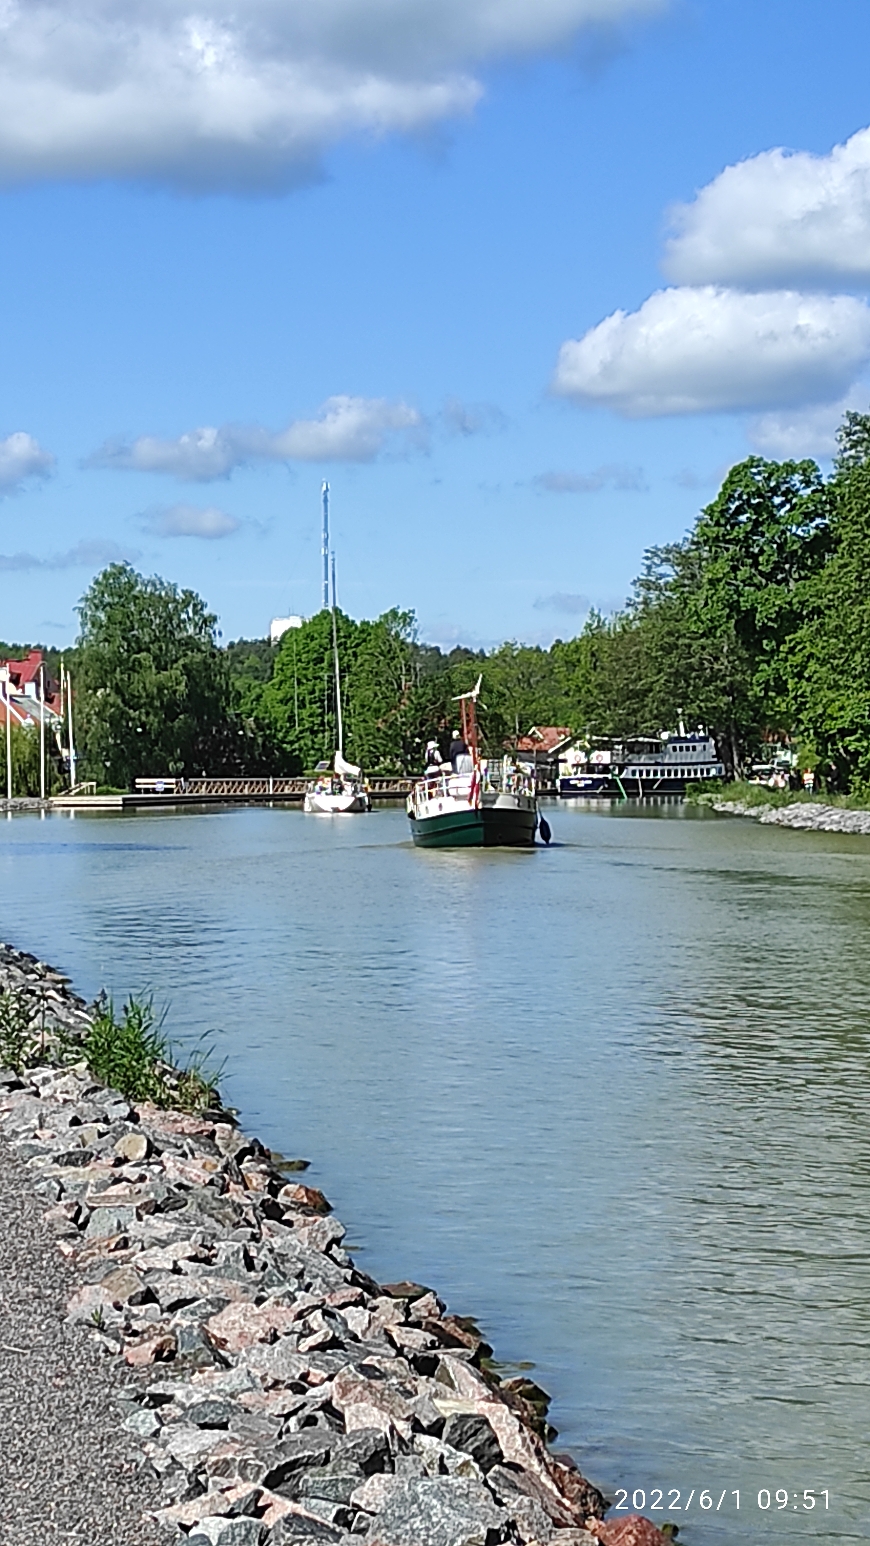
{"points": [[829, 654], [152, 684]]}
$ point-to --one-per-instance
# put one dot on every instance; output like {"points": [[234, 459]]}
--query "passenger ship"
{"points": [[668, 766], [658, 765]]}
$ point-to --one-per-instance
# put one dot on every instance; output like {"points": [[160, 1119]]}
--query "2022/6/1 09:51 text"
{"points": [[675, 1500]]}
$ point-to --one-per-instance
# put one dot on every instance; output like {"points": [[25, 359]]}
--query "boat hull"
{"points": [[487, 827], [335, 804]]}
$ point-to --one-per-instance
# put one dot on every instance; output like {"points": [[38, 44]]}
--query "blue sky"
{"points": [[426, 249]]}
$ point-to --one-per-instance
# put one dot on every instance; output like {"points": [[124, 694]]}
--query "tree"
{"points": [[829, 654], [152, 685]]}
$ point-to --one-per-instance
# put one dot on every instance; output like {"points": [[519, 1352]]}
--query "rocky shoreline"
{"points": [[276, 1391], [805, 815]]}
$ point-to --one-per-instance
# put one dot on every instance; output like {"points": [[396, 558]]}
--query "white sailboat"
{"points": [[340, 790]]}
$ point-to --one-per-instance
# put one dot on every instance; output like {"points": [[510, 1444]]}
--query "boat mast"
{"points": [[324, 551], [337, 672]]}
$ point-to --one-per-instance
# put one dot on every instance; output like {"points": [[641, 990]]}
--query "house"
{"points": [[21, 689], [542, 748]]}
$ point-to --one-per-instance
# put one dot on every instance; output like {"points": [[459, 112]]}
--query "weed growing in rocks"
{"points": [[132, 1054]]}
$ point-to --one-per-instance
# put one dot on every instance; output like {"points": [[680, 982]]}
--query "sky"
{"points": [[520, 278]]}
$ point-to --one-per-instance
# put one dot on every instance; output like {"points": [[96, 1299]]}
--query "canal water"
{"points": [[610, 1097]]}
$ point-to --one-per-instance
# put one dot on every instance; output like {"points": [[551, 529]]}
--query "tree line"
{"points": [[756, 627]]}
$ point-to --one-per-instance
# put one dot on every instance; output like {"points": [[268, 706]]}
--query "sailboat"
{"points": [[339, 790], [472, 802]]}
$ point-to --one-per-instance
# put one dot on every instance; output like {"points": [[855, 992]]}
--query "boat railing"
{"points": [[458, 786]]}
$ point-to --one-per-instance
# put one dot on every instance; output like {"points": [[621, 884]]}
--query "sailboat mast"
{"points": [[324, 551], [337, 672]]}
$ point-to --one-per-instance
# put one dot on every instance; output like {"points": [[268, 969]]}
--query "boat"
{"points": [[472, 802], [669, 764], [336, 791], [340, 790]]}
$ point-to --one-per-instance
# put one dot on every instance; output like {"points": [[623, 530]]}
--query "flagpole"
{"points": [[42, 730]]}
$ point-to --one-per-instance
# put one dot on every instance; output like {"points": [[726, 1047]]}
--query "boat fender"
{"points": [[544, 829]]}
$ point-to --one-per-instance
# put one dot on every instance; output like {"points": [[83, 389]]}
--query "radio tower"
{"points": [[325, 550]]}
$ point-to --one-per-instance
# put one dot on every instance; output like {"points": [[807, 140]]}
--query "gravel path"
{"points": [[67, 1469]]}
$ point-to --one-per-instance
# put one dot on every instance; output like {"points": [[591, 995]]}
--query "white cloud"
{"points": [[779, 219], [22, 457], [230, 95], [617, 475], [807, 431], [190, 521], [704, 349], [347, 429], [89, 554]]}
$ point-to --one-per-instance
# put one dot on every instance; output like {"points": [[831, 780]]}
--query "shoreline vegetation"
{"points": [[277, 1392], [755, 628], [789, 807]]}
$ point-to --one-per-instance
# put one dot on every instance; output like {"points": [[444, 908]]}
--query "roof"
{"points": [[543, 738]]}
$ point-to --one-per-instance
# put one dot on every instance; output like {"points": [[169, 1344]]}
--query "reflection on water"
{"points": [[611, 1097]]}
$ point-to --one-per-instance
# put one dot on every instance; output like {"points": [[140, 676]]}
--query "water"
{"points": [[610, 1097]]}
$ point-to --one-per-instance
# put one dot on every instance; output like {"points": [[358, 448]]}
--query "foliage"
{"points": [[131, 1054], [25, 761], [153, 686], [755, 627]]}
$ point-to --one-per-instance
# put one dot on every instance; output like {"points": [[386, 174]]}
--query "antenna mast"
{"points": [[324, 552], [337, 672]]}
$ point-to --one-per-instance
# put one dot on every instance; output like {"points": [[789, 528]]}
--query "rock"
{"points": [[133, 1147], [123, 1285], [532, 1524], [243, 1325], [438, 1511], [372, 1494], [473, 1433], [302, 1530], [221, 1530], [632, 1530], [109, 1220], [367, 1448], [210, 1413], [335, 1482], [311, 1447], [144, 1423], [153, 1349], [306, 1198]]}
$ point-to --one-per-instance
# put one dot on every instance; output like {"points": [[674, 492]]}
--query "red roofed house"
{"points": [[22, 688], [541, 747]]}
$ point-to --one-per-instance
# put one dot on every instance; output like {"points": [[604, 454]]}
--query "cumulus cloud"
{"points": [[779, 219], [227, 95], [347, 429], [92, 554], [190, 521], [614, 475], [706, 349], [22, 457]]}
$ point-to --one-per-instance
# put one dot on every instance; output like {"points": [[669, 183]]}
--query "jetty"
{"points": [[154, 793]]}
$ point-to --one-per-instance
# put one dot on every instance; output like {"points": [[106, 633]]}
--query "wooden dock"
{"points": [[155, 793]]}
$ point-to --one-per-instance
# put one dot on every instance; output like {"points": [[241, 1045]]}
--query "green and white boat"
{"points": [[473, 802]]}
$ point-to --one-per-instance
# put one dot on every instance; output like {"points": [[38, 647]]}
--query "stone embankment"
{"points": [[275, 1392], [807, 815]]}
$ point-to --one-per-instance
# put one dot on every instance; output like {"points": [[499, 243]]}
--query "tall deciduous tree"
{"points": [[153, 687]]}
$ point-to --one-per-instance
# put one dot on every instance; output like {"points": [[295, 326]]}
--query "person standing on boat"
{"points": [[459, 756]]}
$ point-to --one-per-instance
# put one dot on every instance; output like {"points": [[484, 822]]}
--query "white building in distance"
{"points": [[279, 626]]}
